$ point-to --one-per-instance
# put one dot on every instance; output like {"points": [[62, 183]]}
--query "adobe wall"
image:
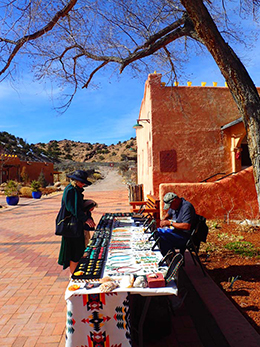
{"points": [[186, 128], [14, 162], [233, 197], [34, 169], [144, 144], [234, 136], [188, 120]]}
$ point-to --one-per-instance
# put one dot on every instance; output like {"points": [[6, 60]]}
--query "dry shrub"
{"points": [[97, 176], [26, 192], [48, 190], [64, 183]]}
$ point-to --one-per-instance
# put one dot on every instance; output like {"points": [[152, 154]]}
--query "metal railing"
{"points": [[219, 173], [221, 178]]}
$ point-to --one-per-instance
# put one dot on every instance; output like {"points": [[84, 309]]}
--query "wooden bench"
{"points": [[150, 206]]}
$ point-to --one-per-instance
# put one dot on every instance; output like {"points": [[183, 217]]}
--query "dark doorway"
{"points": [[245, 158]]}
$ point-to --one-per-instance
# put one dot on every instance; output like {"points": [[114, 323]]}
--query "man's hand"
{"points": [[165, 223], [90, 223]]}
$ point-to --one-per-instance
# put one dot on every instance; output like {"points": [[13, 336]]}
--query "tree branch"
{"points": [[162, 42], [180, 28], [93, 73], [163, 32], [170, 61], [19, 44], [105, 58]]}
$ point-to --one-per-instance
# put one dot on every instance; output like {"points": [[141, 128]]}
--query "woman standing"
{"points": [[72, 249]]}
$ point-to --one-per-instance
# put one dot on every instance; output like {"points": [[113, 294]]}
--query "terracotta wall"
{"points": [[188, 120], [34, 169], [185, 126], [13, 166], [144, 141], [234, 136], [233, 197], [13, 170]]}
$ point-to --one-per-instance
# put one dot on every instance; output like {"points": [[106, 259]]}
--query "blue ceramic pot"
{"points": [[36, 195], [12, 200]]}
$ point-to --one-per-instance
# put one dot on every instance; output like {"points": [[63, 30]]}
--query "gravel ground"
{"points": [[112, 181]]}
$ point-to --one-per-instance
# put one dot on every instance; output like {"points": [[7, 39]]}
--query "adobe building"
{"points": [[11, 168], [191, 140]]}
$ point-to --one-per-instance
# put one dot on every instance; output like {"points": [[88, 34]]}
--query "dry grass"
{"points": [[48, 190], [64, 183], [26, 192]]}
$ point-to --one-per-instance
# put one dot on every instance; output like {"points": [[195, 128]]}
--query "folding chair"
{"points": [[198, 235], [150, 226], [142, 219], [193, 249]]}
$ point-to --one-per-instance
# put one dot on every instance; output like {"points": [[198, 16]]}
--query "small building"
{"points": [[192, 136], [11, 167]]}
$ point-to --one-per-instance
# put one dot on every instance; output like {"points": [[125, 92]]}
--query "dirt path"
{"points": [[112, 181]]}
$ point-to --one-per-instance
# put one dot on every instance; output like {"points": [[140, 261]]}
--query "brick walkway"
{"points": [[33, 309], [32, 283]]}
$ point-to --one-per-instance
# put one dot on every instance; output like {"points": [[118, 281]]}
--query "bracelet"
{"points": [[131, 269]]}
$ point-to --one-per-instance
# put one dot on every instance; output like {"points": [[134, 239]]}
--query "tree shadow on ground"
{"points": [[248, 273]]}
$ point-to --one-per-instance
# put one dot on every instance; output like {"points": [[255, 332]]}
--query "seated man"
{"points": [[177, 224]]}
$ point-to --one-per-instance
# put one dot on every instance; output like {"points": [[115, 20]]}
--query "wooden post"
{"points": [[135, 192]]}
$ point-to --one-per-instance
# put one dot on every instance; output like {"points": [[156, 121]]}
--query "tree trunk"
{"points": [[238, 80]]}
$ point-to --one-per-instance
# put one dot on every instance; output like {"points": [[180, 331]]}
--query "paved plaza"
{"points": [[32, 283], [32, 286]]}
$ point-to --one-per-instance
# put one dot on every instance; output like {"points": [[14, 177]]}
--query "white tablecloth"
{"points": [[93, 316], [102, 319]]}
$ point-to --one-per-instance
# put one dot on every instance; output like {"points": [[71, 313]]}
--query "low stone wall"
{"points": [[233, 197]]}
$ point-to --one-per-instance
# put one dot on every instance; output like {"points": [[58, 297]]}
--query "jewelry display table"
{"points": [[99, 318]]}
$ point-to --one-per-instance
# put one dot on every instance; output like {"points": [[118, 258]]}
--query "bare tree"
{"points": [[73, 40]]}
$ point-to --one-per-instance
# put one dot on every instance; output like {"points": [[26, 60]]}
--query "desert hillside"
{"points": [[88, 152], [76, 151]]}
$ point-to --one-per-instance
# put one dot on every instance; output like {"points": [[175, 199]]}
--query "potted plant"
{"points": [[35, 187], [11, 191]]}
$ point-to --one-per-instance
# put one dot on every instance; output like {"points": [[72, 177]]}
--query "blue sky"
{"points": [[104, 115]]}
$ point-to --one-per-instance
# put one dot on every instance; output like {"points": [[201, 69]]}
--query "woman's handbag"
{"points": [[68, 225]]}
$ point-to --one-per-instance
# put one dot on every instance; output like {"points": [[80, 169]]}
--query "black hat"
{"points": [[81, 176]]}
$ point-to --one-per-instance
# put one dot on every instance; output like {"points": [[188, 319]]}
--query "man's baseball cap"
{"points": [[168, 199]]}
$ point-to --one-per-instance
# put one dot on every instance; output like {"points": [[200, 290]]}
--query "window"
{"points": [[168, 161]]}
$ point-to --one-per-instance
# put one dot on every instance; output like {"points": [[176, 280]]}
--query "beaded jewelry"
{"points": [[131, 269]]}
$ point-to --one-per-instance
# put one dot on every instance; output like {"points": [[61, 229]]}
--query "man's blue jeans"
{"points": [[172, 239]]}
